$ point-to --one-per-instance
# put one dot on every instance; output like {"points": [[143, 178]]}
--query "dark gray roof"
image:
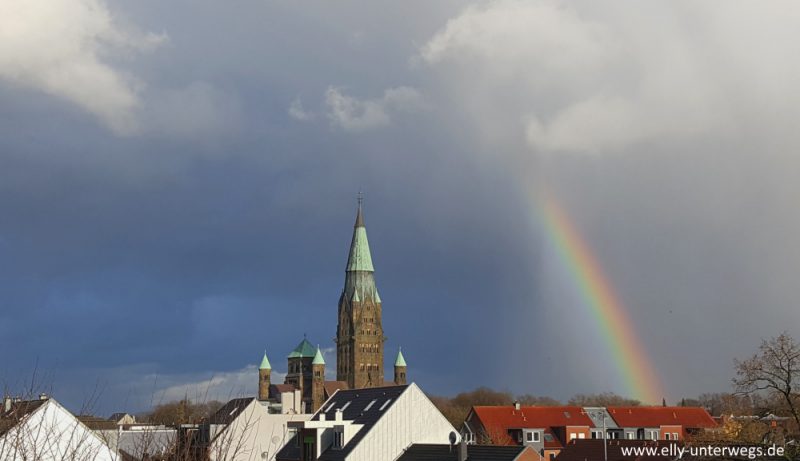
{"points": [[289, 452], [444, 452], [361, 406], [358, 407], [230, 411]]}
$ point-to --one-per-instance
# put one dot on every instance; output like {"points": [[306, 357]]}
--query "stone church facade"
{"points": [[359, 339]]}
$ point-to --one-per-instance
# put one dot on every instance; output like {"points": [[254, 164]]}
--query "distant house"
{"points": [[549, 429], [545, 429], [464, 452], [661, 423], [132, 441], [43, 430], [122, 418], [247, 429], [372, 424]]}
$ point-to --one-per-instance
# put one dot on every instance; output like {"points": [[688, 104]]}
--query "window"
{"points": [[536, 437], [581, 435], [674, 436], [529, 437], [666, 436], [571, 435], [629, 435], [338, 439]]}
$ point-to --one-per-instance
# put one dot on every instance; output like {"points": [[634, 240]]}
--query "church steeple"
{"points": [[360, 258], [359, 337]]}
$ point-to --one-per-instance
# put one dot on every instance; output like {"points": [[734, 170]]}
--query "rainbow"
{"points": [[598, 295]]}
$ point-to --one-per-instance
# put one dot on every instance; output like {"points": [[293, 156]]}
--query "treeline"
{"points": [[182, 411]]}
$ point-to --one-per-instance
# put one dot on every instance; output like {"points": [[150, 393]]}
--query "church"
{"points": [[359, 340]]}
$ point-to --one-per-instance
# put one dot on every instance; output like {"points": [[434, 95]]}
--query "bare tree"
{"points": [[775, 369], [605, 399]]}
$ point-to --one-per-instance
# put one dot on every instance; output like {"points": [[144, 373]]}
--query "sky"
{"points": [[178, 184]]}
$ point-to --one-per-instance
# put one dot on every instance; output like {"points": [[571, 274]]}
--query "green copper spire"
{"points": [[360, 258], [401, 361], [265, 362], [318, 360]]}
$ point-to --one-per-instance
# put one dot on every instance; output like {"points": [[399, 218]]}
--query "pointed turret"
{"points": [[318, 360], [265, 362], [400, 369], [400, 361], [264, 372], [318, 380]]}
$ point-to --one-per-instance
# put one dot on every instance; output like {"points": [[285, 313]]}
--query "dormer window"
{"points": [[338, 439]]}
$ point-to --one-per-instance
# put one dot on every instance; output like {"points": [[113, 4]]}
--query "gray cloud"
{"points": [[64, 48], [352, 114], [666, 131]]}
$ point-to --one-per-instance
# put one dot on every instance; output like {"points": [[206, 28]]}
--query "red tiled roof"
{"points": [[283, 388], [333, 386], [688, 417], [497, 420], [532, 417]]}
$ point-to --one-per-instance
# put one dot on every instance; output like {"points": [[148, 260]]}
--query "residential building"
{"points": [[545, 429], [549, 429], [245, 429], [371, 424], [661, 423], [44, 430], [122, 418]]}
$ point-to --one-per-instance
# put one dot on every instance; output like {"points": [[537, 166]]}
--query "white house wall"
{"points": [[412, 419], [253, 433], [51, 433]]}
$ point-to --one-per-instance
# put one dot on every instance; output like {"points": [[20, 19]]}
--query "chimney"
{"points": [[322, 416], [42, 396], [338, 416], [6, 404], [516, 405], [462, 450]]}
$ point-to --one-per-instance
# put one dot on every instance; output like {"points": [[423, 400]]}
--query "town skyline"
{"points": [[178, 186]]}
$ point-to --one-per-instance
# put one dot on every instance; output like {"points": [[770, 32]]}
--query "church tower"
{"points": [[400, 369], [318, 381], [359, 336], [264, 371]]}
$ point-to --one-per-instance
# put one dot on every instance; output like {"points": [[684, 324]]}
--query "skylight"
{"points": [[384, 404], [370, 405], [345, 406]]}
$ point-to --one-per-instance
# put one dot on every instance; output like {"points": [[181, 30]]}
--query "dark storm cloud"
{"points": [[172, 252]]}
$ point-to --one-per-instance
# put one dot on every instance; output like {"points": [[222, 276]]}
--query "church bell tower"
{"points": [[359, 335]]}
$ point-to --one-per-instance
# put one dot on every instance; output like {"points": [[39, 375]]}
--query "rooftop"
{"points": [[694, 417], [442, 452]]}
